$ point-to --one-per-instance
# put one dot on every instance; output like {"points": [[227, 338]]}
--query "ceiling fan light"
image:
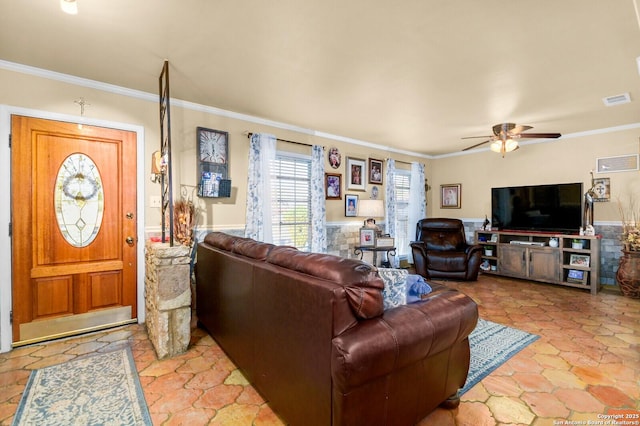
{"points": [[69, 6], [496, 146], [510, 145]]}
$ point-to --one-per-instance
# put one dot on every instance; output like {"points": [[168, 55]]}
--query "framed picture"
{"points": [[333, 185], [356, 172], [579, 260], [213, 146], [601, 189], [334, 157], [375, 171], [385, 242], [578, 277], [351, 205], [367, 237], [450, 196]]}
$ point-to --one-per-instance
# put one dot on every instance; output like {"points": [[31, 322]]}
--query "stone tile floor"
{"points": [[585, 365]]}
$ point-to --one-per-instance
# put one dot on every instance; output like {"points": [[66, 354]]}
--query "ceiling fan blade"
{"points": [[519, 129], [541, 135], [475, 137], [476, 145]]}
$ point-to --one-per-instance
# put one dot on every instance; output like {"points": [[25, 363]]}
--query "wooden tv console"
{"points": [[528, 255]]}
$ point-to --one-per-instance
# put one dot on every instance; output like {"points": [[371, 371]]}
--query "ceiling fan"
{"points": [[505, 137]]}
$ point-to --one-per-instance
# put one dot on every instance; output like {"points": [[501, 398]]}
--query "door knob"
{"points": [[129, 241]]}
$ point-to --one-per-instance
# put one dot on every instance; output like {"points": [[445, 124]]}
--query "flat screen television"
{"points": [[545, 208]]}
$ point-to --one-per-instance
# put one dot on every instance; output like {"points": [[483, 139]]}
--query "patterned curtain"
{"points": [[262, 151], [390, 221], [318, 208], [417, 199]]}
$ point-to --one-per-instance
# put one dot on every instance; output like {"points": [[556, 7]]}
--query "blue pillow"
{"points": [[417, 285]]}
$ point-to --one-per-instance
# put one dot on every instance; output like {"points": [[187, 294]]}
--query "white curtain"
{"points": [[390, 218], [417, 200], [318, 208], [262, 151]]}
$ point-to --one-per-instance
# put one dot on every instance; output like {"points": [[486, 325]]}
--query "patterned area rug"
{"points": [[102, 389], [491, 345]]}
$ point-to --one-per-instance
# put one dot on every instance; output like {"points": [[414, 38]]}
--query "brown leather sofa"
{"points": [[441, 250], [309, 331]]}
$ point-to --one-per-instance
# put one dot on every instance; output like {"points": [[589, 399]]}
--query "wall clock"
{"points": [[213, 145]]}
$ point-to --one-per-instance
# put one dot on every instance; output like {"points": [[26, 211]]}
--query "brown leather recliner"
{"points": [[441, 250]]}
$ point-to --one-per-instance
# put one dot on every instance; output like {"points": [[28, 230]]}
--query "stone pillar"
{"points": [[168, 298]]}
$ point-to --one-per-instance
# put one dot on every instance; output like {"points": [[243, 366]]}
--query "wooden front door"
{"points": [[73, 228]]}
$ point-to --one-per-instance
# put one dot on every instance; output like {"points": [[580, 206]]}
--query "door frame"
{"points": [[6, 111]]}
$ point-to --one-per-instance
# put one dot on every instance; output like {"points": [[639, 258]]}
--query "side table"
{"points": [[390, 251]]}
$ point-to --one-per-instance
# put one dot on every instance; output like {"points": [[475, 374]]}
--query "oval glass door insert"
{"points": [[79, 200]]}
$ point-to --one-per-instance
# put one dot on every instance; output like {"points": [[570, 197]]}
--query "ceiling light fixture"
{"points": [[503, 147], [69, 6]]}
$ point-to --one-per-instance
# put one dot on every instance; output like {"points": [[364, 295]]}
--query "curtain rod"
{"points": [[249, 134], [399, 161]]}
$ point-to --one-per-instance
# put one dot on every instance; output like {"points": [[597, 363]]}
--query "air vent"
{"points": [[623, 98], [623, 163]]}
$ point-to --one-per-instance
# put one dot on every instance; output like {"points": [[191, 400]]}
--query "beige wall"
{"points": [[565, 160], [43, 94], [561, 161]]}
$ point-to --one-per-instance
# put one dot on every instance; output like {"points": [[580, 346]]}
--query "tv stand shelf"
{"points": [[529, 255]]}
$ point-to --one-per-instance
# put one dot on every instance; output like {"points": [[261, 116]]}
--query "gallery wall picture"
{"points": [[450, 196], [333, 186], [351, 205], [356, 174], [375, 171]]}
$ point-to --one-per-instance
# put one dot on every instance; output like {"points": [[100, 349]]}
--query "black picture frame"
{"points": [[577, 276], [375, 171], [351, 205]]}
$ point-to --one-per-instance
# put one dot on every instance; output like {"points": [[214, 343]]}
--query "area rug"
{"points": [[491, 345], [101, 389]]}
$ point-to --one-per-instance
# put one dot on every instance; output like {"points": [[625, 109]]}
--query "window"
{"points": [[403, 233], [291, 200]]}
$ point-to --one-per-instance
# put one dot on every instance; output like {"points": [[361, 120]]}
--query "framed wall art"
{"points": [[450, 196], [602, 189], [334, 157], [356, 173], [333, 185], [375, 171], [351, 205]]}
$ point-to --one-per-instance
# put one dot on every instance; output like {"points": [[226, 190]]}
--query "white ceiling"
{"points": [[414, 75]]}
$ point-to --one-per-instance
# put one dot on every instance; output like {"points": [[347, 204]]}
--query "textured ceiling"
{"points": [[413, 75]]}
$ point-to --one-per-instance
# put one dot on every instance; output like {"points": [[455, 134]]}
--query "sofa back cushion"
{"points": [[239, 245], [363, 287], [253, 249]]}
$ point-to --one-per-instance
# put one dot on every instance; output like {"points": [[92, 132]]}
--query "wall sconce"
{"points": [[158, 166]]}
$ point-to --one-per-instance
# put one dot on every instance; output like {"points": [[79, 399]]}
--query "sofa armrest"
{"points": [[401, 337], [419, 252], [471, 249]]}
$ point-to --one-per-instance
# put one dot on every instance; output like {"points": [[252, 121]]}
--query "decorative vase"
{"points": [[628, 275]]}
